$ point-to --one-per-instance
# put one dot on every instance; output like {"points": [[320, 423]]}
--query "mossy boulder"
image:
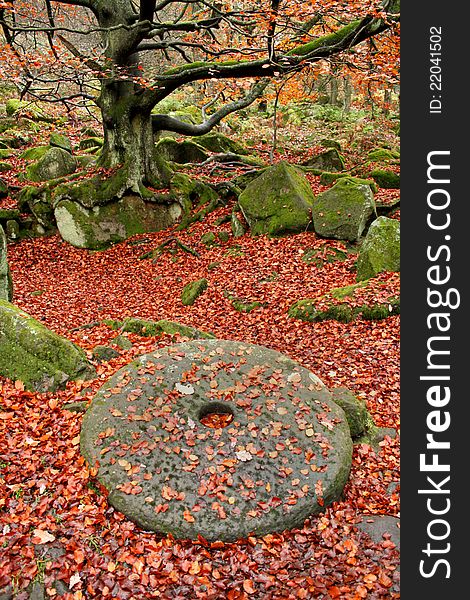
{"points": [[217, 142], [279, 201], [104, 353], [37, 200], [58, 140], [93, 143], [6, 285], [338, 304], [4, 167], [343, 211], [181, 152], [236, 226], [330, 160], [174, 328], [98, 227], [38, 357], [4, 190], [15, 139], [359, 419], [385, 178], [55, 163], [209, 239], [35, 153], [147, 328], [15, 108], [327, 178], [383, 155], [5, 153], [192, 291], [380, 250]]}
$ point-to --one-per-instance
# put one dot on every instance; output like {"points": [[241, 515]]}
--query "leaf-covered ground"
{"points": [[56, 527], [56, 524]]}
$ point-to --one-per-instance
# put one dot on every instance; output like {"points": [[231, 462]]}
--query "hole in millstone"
{"points": [[216, 415]]}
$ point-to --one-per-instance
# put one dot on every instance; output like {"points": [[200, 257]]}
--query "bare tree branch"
{"points": [[164, 122]]}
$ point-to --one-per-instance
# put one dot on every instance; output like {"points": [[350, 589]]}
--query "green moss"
{"points": [[173, 328], [35, 153], [343, 211], [383, 155], [192, 291], [217, 142], [356, 410], [346, 291], [141, 327], [327, 178], [9, 213], [33, 354], [246, 307], [327, 40], [209, 238], [386, 179], [277, 202], [380, 250]]}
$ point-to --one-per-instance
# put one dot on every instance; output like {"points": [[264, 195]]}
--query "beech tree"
{"points": [[179, 43]]}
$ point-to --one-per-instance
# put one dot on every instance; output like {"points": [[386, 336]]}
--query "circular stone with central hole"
{"points": [[284, 455]]}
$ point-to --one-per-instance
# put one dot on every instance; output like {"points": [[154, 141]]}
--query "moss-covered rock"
{"points": [[174, 328], [15, 108], [15, 139], [55, 163], [209, 238], [359, 419], [33, 354], [343, 211], [277, 202], [6, 285], [104, 353], [192, 291], [380, 250], [330, 306], [4, 190], [327, 143], [190, 191], [38, 201], [383, 155], [93, 143], [98, 227], [330, 160], [35, 153], [58, 140], [147, 328], [181, 152], [217, 142], [4, 167], [5, 153], [327, 178], [12, 229], [246, 307], [385, 178], [236, 226]]}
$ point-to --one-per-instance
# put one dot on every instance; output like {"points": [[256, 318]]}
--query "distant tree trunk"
{"points": [[387, 101], [333, 96], [347, 87]]}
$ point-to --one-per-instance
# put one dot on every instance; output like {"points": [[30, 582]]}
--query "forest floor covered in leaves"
{"points": [[56, 527]]}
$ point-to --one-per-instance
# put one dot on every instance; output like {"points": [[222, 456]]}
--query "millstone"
{"points": [[284, 456]]}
